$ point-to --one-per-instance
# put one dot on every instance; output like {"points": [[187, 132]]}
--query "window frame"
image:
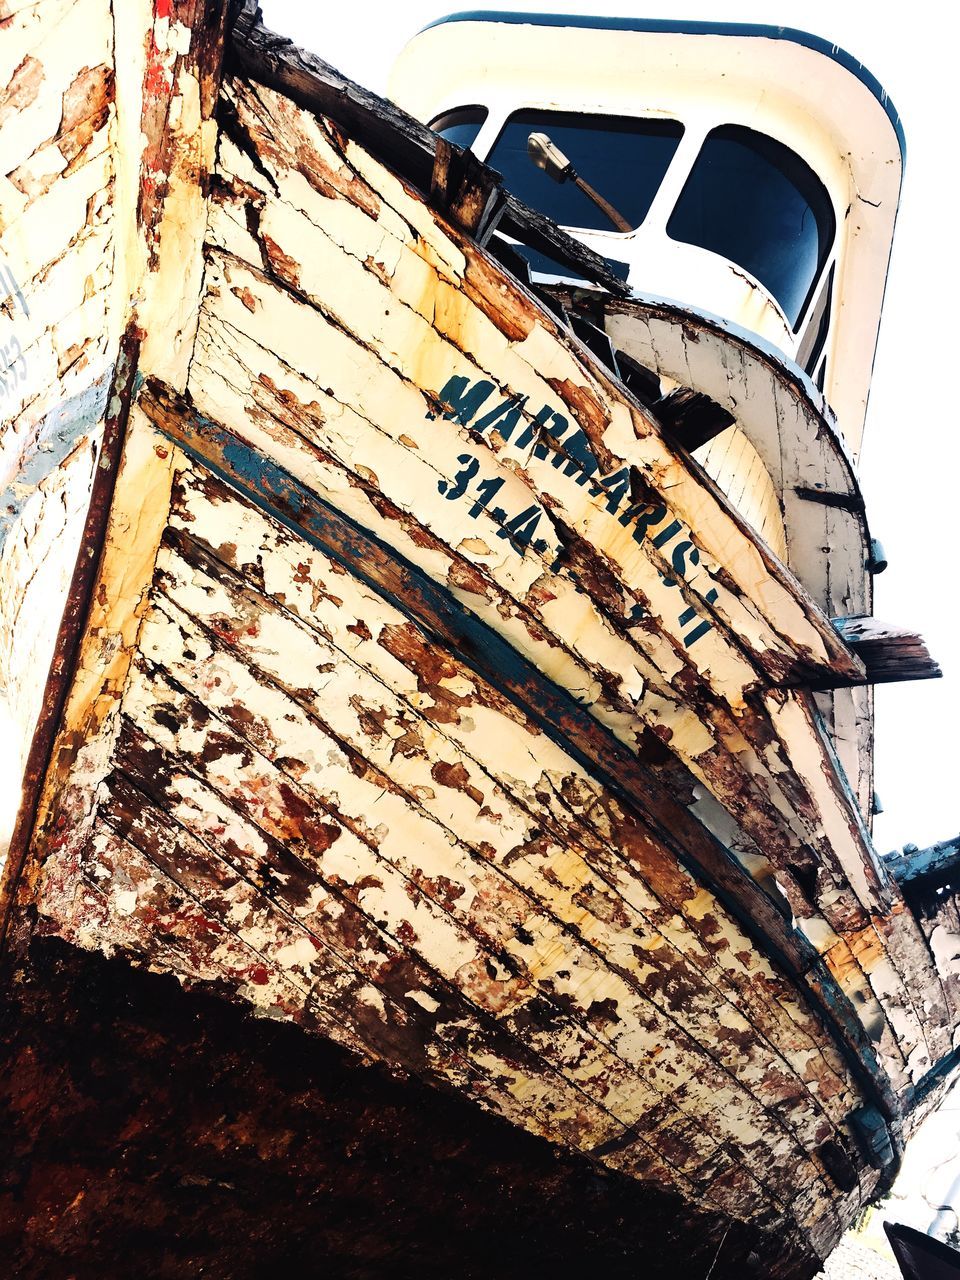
{"points": [[827, 254]]}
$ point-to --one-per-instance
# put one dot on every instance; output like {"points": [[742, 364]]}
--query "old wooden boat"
{"points": [[378, 659]]}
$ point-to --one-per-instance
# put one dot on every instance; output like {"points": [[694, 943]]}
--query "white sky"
{"points": [[911, 456]]}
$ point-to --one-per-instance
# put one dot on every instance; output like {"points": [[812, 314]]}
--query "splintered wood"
{"points": [[431, 700]]}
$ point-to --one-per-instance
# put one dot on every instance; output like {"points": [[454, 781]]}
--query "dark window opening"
{"points": [[460, 125], [754, 201], [818, 326], [623, 160]]}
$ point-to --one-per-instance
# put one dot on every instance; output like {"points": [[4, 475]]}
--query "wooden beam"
{"points": [[72, 625], [404, 144], [465, 191], [888, 653], [170, 202], [844, 501], [912, 864]]}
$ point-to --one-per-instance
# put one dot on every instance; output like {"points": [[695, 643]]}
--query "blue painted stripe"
{"points": [[668, 26], [59, 434]]}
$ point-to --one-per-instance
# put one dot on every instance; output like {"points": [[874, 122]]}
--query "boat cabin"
{"points": [[750, 172]]}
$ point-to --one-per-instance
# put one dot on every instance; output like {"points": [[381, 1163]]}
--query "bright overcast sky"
{"points": [[911, 457]]}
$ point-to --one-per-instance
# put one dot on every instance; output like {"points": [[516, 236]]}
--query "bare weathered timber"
{"points": [[889, 653], [466, 192], [928, 880]]}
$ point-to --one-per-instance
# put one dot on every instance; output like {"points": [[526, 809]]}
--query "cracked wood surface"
{"points": [[106, 136], [466, 733], [636, 778], [707, 710], [377, 123], [462, 917], [819, 526], [57, 120]]}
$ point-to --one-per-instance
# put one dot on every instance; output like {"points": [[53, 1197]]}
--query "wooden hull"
{"points": [[416, 689]]}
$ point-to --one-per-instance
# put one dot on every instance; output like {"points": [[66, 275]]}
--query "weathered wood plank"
{"points": [[809, 831], [661, 1051], [335, 922], [447, 695], [69, 757], [754, 811], [57, 219], [466, 191], [518, 918], [786, 421], [758, 804], [363, 716], [457, 629], [613, 437], [936, 861], [759, 809], [100, 93], [184, 58]]}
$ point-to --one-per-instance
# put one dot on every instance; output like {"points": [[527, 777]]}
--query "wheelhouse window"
{"points": [[461, 125], [623, 160], [754, 201]]}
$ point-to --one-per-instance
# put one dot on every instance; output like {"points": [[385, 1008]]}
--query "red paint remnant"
{"points": [[259, 975], [466, 577], [246, 297], [156, 79], [406, 933], [456, 776], [86, 108], [284, 267], [160, 451], [164, 8], [224, 629]]}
